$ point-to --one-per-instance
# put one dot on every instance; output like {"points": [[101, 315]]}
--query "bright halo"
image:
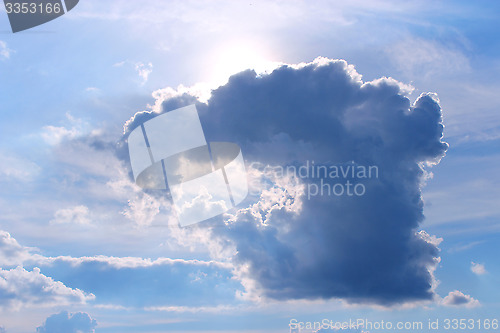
{"points": [[234, 58]]}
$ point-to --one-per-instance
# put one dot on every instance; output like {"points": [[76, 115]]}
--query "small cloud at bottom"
{"points": [[65, 322], [457, 298]]}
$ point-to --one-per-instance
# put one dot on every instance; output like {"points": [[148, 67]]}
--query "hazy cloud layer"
{"points": [[364, 249]]}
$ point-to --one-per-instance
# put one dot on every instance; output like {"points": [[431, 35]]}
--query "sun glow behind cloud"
{"points": [[233, 57]]}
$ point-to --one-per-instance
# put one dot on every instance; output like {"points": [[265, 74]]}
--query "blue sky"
{"points": [[82, 247]]}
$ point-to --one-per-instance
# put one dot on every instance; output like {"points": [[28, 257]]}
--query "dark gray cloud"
{"points": [[362, 248], [65, 322]]}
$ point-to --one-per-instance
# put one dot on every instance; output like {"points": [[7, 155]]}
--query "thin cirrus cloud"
{"points": [[415, 55], [364, 249]]}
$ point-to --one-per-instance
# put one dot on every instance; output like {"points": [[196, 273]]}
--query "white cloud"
{"points": [[142, 209], [144, 70], [202, 91], [78, 215], [457, 298], [11, 252], [285, 194], [4, 50], [202, 205], [53, 135], [431, 239], [20, 288], [478, 269], [132, 262]]}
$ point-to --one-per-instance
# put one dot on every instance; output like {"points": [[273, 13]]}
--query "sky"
{"points": [[409, 89]]}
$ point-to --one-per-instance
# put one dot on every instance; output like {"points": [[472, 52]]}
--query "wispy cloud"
{"points": [[53, 135], [421, 57], [4, 50], [14, 167], [77, 214], [144, 70], [477, 268], [465, 247]]}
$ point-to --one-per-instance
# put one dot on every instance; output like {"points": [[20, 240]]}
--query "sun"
{"points": [[233, 58]]}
